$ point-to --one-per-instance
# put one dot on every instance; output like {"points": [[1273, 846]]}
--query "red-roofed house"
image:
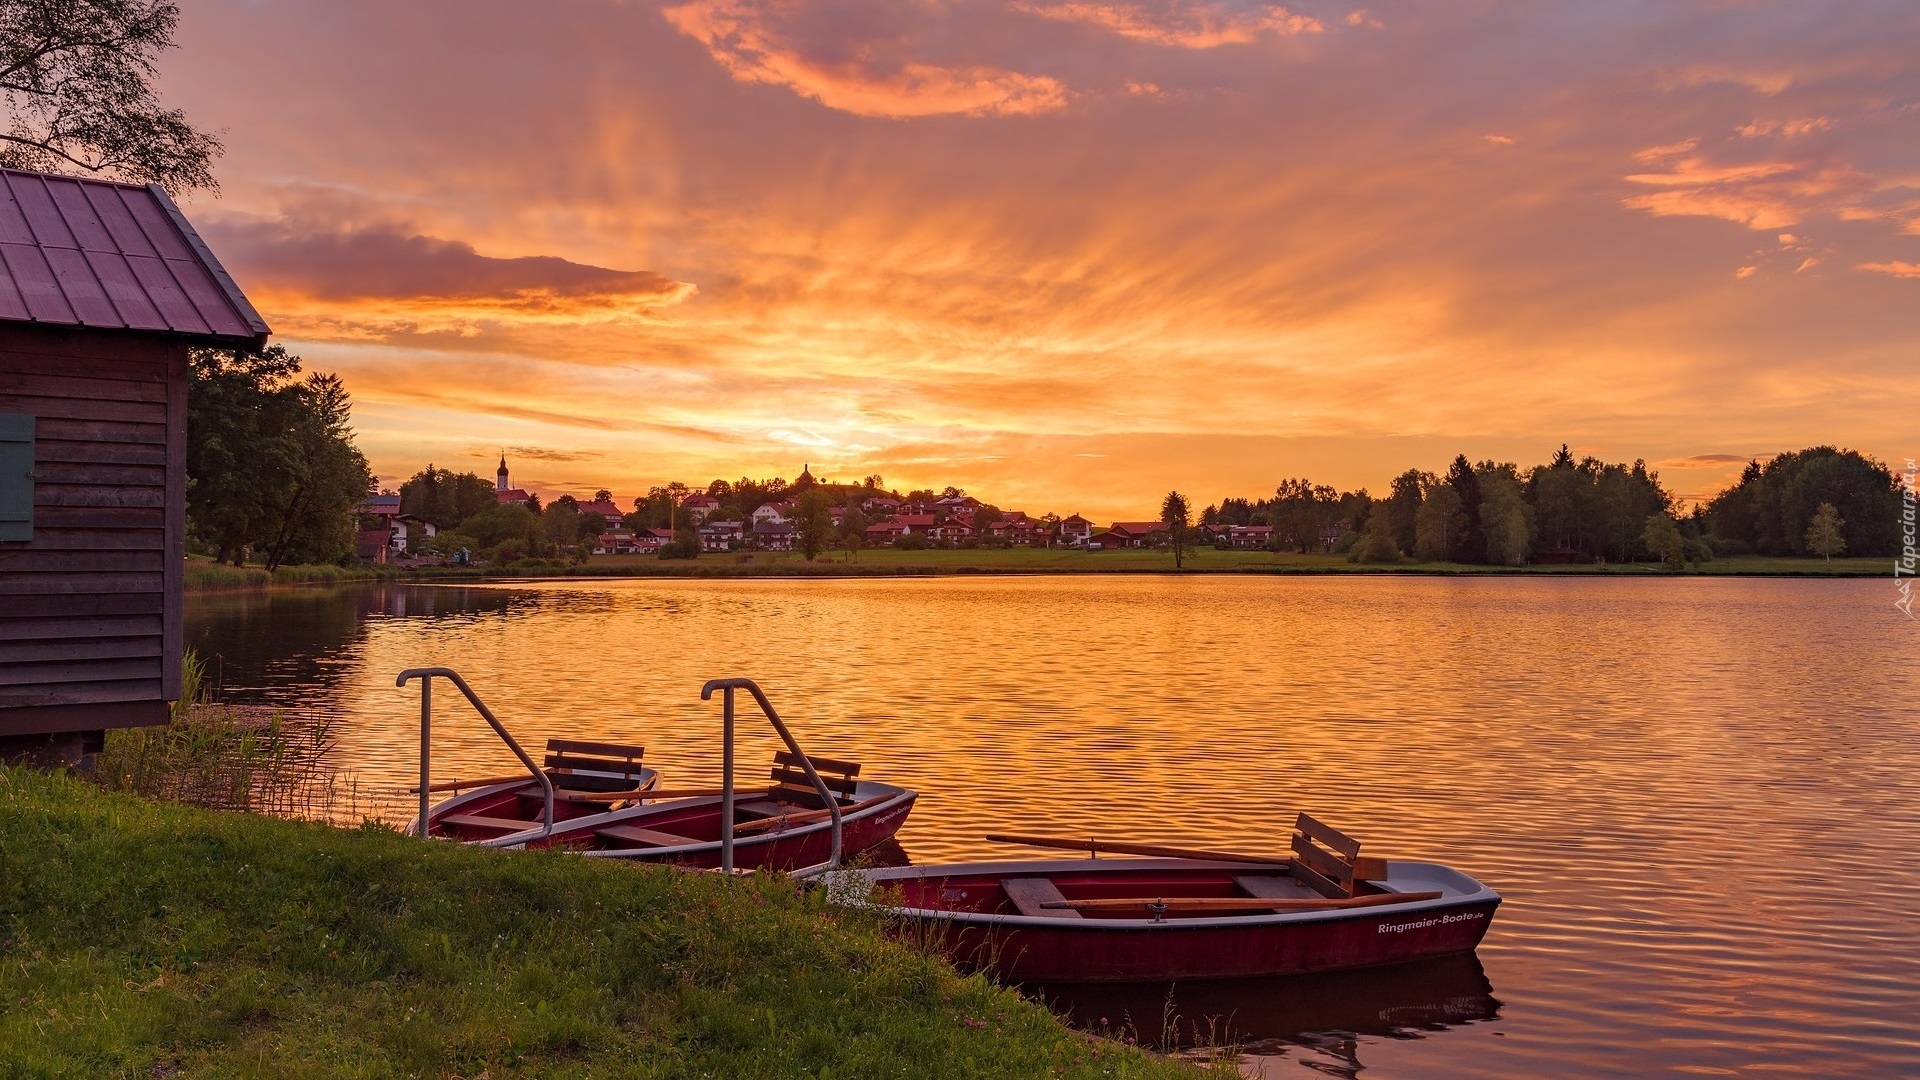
{"points": [[105, 289], [605, 508], [1128, 534], [700, 506]]}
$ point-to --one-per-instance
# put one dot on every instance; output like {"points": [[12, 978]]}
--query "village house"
{"points": [[1249, 536], [774, 535], [880, 504], [105, 289], [1128, 534], [699, 506], [773, 513], [1074, 531], [881, 533], [720, 535], [605, 508], [384, 532]]}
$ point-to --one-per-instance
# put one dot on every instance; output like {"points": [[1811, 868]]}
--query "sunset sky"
{"points": [[1069, 254]]}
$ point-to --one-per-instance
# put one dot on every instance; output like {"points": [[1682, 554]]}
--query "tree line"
{"points": [[1816, 501]]}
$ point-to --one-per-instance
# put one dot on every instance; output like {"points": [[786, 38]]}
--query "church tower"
{"points": [[500, 478]]}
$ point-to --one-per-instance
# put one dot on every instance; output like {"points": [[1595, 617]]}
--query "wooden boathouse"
{"points": [[104, 290]]}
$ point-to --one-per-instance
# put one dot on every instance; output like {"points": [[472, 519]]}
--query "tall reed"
{"points": [[226, 757]]}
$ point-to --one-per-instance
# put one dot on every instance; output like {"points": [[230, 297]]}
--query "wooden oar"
{"points": [[1099, 846], [664, 793], [806, 817], [1213, 903], [484, 781]]}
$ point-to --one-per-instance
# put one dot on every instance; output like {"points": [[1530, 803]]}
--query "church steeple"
{"points": [[500, 482], [806, 478]]}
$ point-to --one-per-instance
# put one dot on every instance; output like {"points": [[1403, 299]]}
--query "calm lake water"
{"points": [[1700, 797]]}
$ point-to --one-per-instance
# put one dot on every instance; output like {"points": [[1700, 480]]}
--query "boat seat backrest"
{"points": [[566, 758], [790, 779], [1328, 860]]}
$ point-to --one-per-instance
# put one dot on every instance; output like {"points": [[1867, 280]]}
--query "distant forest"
{"points": [[1585, 509]]}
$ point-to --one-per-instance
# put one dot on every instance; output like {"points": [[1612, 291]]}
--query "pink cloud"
{"points": [[1893, 269], [1185, 24], [855, 65]]}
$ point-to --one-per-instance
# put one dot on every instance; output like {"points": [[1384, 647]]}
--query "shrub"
{"points": [[680, 549], [911, 542]]}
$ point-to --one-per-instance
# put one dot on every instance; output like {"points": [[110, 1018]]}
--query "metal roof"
{"points": [[80, 252]]}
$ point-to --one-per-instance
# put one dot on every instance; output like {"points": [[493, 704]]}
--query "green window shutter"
{"points": [[16, 476]]}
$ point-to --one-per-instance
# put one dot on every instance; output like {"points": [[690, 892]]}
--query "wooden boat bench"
{"points": [[791, 783], [634, 834], [1329, 861], [566, 757], [1028, 893]]}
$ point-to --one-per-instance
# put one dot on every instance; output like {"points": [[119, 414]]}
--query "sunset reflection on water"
{"points": [[1699, 796]]}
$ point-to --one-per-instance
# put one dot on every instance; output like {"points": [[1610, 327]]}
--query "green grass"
{"points": [[882, 562], [205, 575], [146, 939]]}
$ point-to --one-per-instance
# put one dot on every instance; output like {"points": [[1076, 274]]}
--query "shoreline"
{"points": [[240, 937], [1018, 563]]}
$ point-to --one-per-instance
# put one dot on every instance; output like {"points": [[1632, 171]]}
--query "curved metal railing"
{"points": [[426, 677], [727, 687]]}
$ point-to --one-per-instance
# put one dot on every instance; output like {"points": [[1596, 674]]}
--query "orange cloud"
{"points": [[778, 44], [1760, 195], [1295, 255], [1192, 24]]}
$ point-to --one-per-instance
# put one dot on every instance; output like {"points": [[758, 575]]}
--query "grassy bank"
{"points": [[205, 575], [145, 939], [887, 562]]}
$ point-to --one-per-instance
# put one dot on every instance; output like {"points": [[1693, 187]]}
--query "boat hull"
{"points": [[1025, 949]]}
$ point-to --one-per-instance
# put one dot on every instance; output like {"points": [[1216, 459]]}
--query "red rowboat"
{"points": [[1165, 919], [774, 829], [501, 811]]}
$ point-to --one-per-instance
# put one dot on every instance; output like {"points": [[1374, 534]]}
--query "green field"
{"points": [[146, 939], [887, 561]]}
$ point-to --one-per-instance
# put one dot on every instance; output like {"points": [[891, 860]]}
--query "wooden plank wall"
{"points": [[91, 608]]}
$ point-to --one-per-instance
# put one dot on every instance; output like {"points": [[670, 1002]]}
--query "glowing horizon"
{"points": [[1071, 255]]}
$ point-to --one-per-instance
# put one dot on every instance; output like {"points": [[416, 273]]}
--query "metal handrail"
{"points": [[426, 677], [728, 686]]}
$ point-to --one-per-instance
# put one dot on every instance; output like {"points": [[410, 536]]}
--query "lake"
{"points": [[1700, 797]]}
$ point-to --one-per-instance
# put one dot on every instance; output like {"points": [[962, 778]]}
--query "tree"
{"points": [[603, 495], [1506, 522], [1439, 524], [1470, 546], [444, 497], [317, 475], [77, 75], [271, 464], [1376, 541], [1177, 513], [1663, 538], [1555, 489], [1823, 533], [227, 399], [1771, 506], [814, 521], [1402, 505]]}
